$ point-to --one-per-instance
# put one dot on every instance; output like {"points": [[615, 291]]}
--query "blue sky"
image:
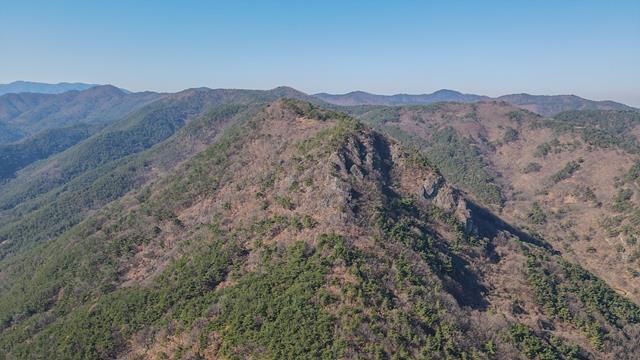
{"points": [[588, 48]]}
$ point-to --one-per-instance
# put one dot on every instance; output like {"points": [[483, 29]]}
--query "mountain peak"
{"points": [[104, 90], [287, 91], [359, 92], [446, 91]]}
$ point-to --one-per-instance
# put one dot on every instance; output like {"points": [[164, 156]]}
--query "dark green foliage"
{"points": [[456, 158], [600, 128], [622, 200], [570, 293], [278, 309], [57, 210], [461, 164], [566, 172], [308, 222], [542, 150], [532, 168], [612, 224], [146, 128], [152, 126], [545, 285], [14, 157], [423, 324], [98, 105], [284, 202], [99, 330], [381, 115], [533, 346], [510, 135], [69, 208], [100, 243], [603, 139], [306, 109], [552, 295], [516, 115], [332, 137], [536, 215], [633, 175], [556, 147], [599, 297], [139, 131], [585, 193], [410, 234]]}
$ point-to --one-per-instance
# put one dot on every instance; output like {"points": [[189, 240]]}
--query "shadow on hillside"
{"points": [[467, 288], [489, 225], [464, 285]]}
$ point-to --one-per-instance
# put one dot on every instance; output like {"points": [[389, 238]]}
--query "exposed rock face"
{"points": [[356, 169], [463, 214], [431, 185], [361, 156], [368, 156], [448, 199]]}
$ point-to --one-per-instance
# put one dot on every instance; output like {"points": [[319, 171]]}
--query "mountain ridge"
{"points": [[30, 113], [21, 86], [546, 105], [364, 98], [302, 232]]}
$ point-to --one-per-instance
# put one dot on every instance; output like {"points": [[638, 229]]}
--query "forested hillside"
{"points": [[27, 114], [18, 155], [49, 197], [285, 230]]}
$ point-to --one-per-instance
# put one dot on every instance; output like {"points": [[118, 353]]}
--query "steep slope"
{"points": [[42, 88], [304, 234], [546, 105], [48, 197], [571, 179]]}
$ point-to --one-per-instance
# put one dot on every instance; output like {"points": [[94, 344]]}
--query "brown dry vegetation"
{"points": [[524, 176], [305, 234]]}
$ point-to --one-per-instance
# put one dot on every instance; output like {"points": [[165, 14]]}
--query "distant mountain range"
{"points": [[547, 105], [25, 114], [365, 98], [42, 88]]}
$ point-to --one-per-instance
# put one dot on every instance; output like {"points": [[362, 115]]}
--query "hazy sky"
{"points": [[588, 48]]}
